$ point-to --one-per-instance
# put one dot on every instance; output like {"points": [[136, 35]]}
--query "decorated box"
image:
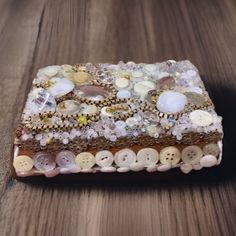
{"points": [[90, 118]]}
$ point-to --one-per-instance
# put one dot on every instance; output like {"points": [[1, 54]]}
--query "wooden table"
{"points": [[35, 33]]}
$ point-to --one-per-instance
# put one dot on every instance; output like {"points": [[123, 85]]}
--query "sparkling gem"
{"points": [[165, 83]]}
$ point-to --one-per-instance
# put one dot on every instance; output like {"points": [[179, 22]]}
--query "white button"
{"points": [[85, 160], [191, 154], [211, 149], [201, 118], [136, 166], [123, 94], [170, 155], [147, 156], [120, 124], [142, 88], [164, 167], [122, 83], [186, 168], [23, 163], [208, 161], [104, 158], [65, 158], [125, 157]]}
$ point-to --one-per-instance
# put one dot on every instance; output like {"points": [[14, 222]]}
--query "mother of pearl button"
{"points": [[171, 102], [142, 88], [201, 118], [60, 87]]}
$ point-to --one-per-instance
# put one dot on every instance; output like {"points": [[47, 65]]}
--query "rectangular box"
{"points": [[123, 117]]}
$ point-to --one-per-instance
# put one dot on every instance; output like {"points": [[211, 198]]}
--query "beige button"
{"points": [[104, 158], [201, 118], [191, 154], [85, 160], [88, 109], [122, 83], [23, 163], [147, 156], [142, 88], [170, 155], [81, 77], [211, 149], [125, 157]]}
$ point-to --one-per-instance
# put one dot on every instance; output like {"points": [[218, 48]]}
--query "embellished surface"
{"points": [[103, 106]]}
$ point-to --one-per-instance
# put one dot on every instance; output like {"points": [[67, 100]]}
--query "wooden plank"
{"points": [[34, 34]]}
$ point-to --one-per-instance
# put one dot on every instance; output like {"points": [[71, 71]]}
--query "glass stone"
{"points": [[171, 102]]}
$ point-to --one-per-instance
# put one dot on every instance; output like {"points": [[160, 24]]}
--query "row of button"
{"points": [[125, 159]]}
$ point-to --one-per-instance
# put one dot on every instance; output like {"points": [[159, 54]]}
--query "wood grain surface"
{"points": [[35, 33]]}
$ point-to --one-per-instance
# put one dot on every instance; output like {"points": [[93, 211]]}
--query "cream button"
{"points": [[208, 161], [147, 156], [136, 166], [65, 158], [122, 83], [23, 163], [104, 158], [186, 168], [125, 157], [191, 154], [201, 118], [211, 149], [85, 160], [170, 155], [44, 161], [122, 94], [142, 88]]}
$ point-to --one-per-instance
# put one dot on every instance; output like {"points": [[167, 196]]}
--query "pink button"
{"points": [[44, 161]]}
